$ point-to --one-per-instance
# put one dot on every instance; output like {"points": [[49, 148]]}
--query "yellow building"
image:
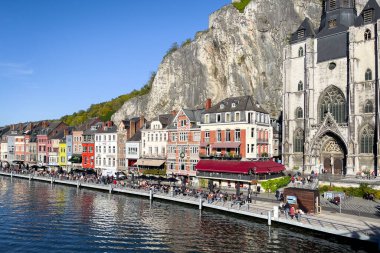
{"points": [[62, 159]]}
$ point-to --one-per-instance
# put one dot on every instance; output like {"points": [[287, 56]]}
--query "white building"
{"points": [[154, 138], [106, 147], [133, 150], [330, 78]]}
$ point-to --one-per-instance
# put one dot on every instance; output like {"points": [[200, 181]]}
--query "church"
{"points": [[331, 91]]}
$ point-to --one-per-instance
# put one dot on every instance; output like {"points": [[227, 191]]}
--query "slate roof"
{"points": [[165, 120], [136, 137], [243, 103], [107, 130], [371, 4], [309, 31]]}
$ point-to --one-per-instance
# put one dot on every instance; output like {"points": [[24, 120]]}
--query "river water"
{"points": [[38, 217]]}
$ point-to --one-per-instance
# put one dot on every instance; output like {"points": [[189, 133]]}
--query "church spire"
{"points": [[336, 13]]}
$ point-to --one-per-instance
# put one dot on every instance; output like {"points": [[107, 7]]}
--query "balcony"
{"points": [[219, 156], [260, 140]]}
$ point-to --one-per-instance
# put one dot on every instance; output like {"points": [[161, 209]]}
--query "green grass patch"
{"points": [[106, 109], [241, 5], [274, 184], [352, 191]]}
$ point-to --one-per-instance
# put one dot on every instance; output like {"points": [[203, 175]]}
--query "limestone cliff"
{"points": [[240, 53]]}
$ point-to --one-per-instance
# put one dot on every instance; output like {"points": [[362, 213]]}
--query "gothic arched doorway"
{"points": [[333, 154]]}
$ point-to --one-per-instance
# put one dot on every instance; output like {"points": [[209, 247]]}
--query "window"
{"points": [[252, 148], [299, 113], [156, 150], [207, 136], [219, 135], [228, 135], [237, 116], [367, 140], [207, 118], [247, 148], [114, 149], [183, 123], [174, 137], [221, 106], [300, 52], [346, 3], [300, 86], [218, 117], [332, 23], [368, 107], [233, 105], [300, 34], [228, 117], [252, 132], [333, 102], [367, 34], [332, 4], [237, 135], [368, 16], [298, 141], [196, 136], [368, 75]]}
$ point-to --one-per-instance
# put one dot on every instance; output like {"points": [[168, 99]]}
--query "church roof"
{"points": [[371, 4], [308, 31]]}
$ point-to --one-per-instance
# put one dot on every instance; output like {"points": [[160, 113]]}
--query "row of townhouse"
{"points": [[236, 128]]}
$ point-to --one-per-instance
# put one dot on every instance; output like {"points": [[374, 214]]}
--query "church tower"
{"points": [[331, 91]]}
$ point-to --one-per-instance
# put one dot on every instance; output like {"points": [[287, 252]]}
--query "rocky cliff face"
{"points": [[240, 54]]}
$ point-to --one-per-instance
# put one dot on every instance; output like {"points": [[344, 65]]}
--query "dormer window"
{"points": [[218, 117], [332, 4], [368, 16], [332, 23], [300, 34], [207, 118], [221, 106], [233, 105]]}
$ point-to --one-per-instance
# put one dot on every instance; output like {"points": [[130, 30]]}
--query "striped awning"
{"points": [[149, 162]]}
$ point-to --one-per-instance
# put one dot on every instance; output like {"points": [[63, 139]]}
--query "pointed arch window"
{"points": [[298, 141], [368, 107], [368, 75], [333, 101], [367, 34], [300, 86], [299, 113], [300, 52], [367, 140]]}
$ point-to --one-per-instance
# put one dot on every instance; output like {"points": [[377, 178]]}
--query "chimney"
{"points": [[208, 104], [132, 128], [141, 122], [174, 112]]}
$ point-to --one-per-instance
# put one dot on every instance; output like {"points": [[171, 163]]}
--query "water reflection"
{"points": [[36, 216]]}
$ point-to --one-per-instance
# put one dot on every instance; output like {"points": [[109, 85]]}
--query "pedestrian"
{"points": [[287, 208], [299, 214], [292, 212]]}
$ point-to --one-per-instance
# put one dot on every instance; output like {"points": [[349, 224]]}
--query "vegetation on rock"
{"points": [[241, 5], [105, 110]]}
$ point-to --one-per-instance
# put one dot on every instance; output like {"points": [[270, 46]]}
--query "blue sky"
{"points": [[61, 56]]}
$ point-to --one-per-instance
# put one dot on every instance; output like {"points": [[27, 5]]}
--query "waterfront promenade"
{"points": [[350, 226]]}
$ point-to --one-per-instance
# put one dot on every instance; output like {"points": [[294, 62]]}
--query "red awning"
{"points": [[226, 145], [239, 167]]}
